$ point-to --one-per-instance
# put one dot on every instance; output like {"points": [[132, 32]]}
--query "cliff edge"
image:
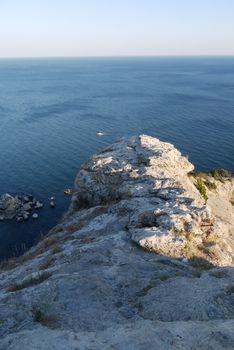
{"points": [[142, 260]]}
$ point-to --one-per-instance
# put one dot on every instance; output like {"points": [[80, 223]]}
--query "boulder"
{"points": [[38, 205]]}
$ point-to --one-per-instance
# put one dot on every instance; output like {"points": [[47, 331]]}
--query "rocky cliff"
{"points": [[142, 260]]}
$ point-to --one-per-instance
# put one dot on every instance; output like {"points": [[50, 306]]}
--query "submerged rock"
{"points": [[134, 264], [38, 205]]}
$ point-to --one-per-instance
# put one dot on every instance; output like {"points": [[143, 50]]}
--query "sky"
{"points": [[61, 28]]}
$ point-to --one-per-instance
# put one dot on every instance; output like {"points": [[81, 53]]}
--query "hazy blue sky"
{"points": [[116, 27]]}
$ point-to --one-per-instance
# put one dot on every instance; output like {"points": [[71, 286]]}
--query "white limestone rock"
{"points": [[172, 213]]}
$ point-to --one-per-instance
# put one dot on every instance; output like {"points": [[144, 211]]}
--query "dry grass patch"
{"points": [[32, 281], [8, 264], [56, 249], [46, 263], [220, 174], [74, 227], [87, 239]]}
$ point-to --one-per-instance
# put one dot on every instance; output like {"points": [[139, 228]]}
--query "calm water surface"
{"points": [[52, 109]]}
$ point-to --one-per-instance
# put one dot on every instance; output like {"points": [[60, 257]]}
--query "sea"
{"points": [[51, 111]]}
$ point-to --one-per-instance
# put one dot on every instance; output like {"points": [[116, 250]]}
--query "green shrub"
{"points": [[199, 184]]}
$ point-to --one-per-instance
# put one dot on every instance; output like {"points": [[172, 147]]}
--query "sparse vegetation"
{"points": [[220, 174], [87, 239], [199, 184], [56, 249], [198, 175], [219, 274], [210, 185], [209, 178], [165, 276], [230, 289], [41, 248], [43, 314], [217, 174], [32, 281], [47, 263], [200, 263], [49, 241], [8, 264], [74, 227], [196, 273]]}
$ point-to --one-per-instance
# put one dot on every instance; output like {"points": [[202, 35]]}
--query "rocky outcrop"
{"points": [[149, 181], [140, 261]]}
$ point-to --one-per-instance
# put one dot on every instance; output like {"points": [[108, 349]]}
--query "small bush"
{"points": [[29, 282], [220, 174], [199, 184], [165, 277], [196, 273], [43, 314], [200, 263], [197, 175], [230, 289], [219, 274], [210, 185]]}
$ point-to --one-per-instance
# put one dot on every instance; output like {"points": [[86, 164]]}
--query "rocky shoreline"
{"points": [[22, 207], [19, 207], [142, 260]]}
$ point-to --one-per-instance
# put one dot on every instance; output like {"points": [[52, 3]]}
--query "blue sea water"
{"points": [[52, 109]]}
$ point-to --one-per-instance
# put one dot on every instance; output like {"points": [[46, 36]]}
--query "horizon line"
{"points": [[120, 56]]}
